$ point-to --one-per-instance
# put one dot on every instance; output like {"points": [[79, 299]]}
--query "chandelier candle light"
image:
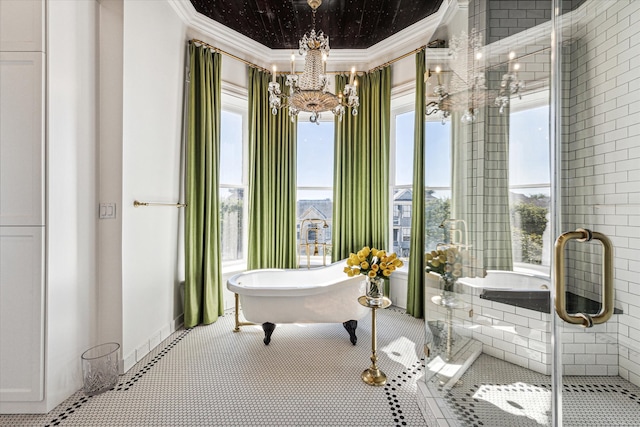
{"points": [[309, 91]]}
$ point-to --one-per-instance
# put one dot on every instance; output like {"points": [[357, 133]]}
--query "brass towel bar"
{"points": [[586, 320], [137, 204]]}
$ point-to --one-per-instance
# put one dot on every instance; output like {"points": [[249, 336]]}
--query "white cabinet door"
{"points": [[21, 138], [21, 314], [21, 24]]}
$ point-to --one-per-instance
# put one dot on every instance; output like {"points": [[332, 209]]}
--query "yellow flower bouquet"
{"points": [[372, 263], [447, 263], [452, 263], [376, 265]]}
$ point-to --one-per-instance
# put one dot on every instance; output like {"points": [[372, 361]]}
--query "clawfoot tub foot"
{"points": [[350, 326], [268, 330]]}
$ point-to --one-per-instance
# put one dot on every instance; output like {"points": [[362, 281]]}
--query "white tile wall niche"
{"points": [[523, 337]]}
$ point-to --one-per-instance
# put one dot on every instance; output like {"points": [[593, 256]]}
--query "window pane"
{"points": [[437, 181], [231, 222], [231, 148], [438, 154], [404, 148], [529, 221], [529, 167], [437, 209], [314, 206], [529, 147], [315, 154]]}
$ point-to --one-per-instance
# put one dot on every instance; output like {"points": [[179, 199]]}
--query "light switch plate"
{"points": [[107, 211]]}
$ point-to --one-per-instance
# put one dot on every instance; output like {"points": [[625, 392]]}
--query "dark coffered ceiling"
{"points": [[350, 24]]}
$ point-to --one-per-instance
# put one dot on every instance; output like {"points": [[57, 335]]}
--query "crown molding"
{"points": [[451, 7], [403, 89], [233, 90], [220, 36], [231, 41], [183, 8], [412, 37]]}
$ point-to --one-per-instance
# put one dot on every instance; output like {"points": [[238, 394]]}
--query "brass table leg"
{"points": [[373, 375], [449, 332]]}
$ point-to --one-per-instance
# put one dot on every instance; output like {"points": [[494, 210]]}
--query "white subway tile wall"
{"points": [[602, 131]]}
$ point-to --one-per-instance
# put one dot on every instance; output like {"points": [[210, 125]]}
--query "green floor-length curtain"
{"points": [[497, 224], [415, 291], [203, 301], [272, 180], [361, 167], [480, 183]]}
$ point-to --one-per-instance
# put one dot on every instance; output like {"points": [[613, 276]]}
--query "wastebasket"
{"points": [[100, 368]]}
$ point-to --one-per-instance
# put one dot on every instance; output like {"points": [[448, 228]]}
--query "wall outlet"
{"points": [[107, 211]]}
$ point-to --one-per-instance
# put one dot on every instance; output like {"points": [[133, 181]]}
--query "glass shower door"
{"points": [[488, 339], [597, 285], [545, 141]]}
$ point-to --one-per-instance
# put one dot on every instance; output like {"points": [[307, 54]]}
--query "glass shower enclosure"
{"points": [[541, 325]]}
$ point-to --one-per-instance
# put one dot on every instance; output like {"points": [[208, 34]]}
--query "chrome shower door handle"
{"points": [[586, 320]]}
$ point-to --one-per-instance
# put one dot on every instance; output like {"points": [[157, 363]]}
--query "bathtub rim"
{"points": [[292, 290], [467, 281]]}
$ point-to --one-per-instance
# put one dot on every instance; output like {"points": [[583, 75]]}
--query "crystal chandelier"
{"points": [[309, 91], [441, 107], [510, 84], [466, 87]]}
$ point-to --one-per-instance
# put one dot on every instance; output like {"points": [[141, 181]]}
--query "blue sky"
{"points": [[528, 151], [529, 146], [437, 151]]}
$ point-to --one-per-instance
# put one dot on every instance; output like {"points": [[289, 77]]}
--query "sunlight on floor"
{"points": [[401, 350], [520, 399]]}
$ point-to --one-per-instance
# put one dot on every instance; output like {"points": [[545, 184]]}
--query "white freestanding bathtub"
{"points": [[508, 280], [319, 295]]}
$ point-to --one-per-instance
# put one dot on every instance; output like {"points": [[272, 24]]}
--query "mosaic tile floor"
{"points": [[309, 375], [495, 393]]}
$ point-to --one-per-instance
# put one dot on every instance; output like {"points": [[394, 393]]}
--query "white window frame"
{"points": [[234, 99], [529, 101], [325, 118], [403, 101]]}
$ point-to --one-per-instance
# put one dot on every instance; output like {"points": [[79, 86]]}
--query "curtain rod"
{"points": [[398, 58], [237, 58]]}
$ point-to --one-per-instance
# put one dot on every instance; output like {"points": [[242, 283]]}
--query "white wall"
{"points": [[71, 287], [152, 265]]}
